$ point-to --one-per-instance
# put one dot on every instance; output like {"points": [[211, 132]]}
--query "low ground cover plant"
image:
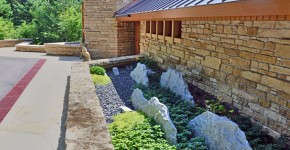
{"points": [[181, 112], [99, 76], [101, 80], [134, 131], [257, 138]]}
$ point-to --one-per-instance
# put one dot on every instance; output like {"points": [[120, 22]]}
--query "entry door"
{"points": [[137, 37]]}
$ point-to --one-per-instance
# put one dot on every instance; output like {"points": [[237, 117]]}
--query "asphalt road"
{"points": [[11, 71]]}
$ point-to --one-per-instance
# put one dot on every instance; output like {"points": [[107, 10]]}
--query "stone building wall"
{"points": [[126, 38], [246, 63], [101, 30]]}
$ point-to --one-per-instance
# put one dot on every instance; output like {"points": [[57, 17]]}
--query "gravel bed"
{"points": [[116, 94]]}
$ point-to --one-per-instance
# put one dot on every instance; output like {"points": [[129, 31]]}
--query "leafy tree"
{"points": [[21, 12], [27, 30], [44, 20], [70, 24], [5, 9], [7, 30]]}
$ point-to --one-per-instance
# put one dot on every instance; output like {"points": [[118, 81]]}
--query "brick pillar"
{"points": [[101, 30]]}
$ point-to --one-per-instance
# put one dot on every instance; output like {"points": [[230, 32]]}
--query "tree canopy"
{"points": [[42, 20]]}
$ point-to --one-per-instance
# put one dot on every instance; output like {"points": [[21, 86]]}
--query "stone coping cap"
{"points": [[11, 40], [64, 44], [86, 128], [24, 45], [118, 61]]}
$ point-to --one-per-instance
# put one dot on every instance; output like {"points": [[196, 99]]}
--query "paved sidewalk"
{"points": [[35, 120], [11, 70]]}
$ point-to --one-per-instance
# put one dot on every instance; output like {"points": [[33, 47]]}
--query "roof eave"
{"points": [[241, 8]]}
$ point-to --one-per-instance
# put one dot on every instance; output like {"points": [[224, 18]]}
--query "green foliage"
{"points": [[181, 112], [257, 138], [7, 30], [21, 12], [98, 70], [70, 24], [150, 63], [44, 20], [132, 130], [101, 80], [128, 119], [5, 9], [217, 107], [26, 30]]}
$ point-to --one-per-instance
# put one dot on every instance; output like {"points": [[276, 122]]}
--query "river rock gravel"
{"points": [[116, 94]]}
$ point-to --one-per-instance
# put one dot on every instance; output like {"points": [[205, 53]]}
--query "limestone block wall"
{"points": [[12, 42], [63, 49], [246, 63], [26, 47], [102, 32]]}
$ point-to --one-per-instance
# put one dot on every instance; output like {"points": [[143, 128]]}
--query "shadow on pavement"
{"points": [[61, 140]]}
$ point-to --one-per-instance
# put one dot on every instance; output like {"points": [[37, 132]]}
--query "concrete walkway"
{"points": [[12, 69], [35, 120]]}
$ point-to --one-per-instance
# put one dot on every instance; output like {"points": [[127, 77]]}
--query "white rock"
{"points": [[125, 109], [156, 110], [174, 81], [220, 133], [139, 74], [116, 71], [149, 71]]}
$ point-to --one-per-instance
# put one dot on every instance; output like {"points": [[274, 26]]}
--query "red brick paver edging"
{"points": [[9, 100]]}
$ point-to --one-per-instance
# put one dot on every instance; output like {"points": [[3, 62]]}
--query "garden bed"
{"points": [[118, 92]]}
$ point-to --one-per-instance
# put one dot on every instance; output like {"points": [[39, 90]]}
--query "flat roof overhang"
{"points": [[240, 8]]}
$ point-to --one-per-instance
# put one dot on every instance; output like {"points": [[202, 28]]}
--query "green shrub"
{"points": [[7, 30], [133, 131], [97, 70], [27, 30], [71, 24]]}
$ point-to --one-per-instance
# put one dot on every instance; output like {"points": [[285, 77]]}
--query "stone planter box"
{"points": [[63, 49], [86, 127], [26, 47], [12, 42]]}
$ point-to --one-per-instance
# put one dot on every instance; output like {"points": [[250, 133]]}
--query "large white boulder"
{"points": [[156, 110], [220, 133], [173, 80], [139, 74]]}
